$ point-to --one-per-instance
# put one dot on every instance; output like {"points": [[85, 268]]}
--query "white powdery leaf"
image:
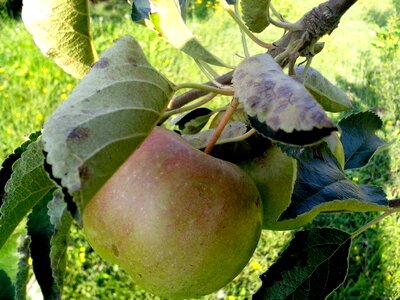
{"points": [[276, 99]]}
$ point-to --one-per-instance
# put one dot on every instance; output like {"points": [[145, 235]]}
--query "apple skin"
{"points": [[182, 223]]}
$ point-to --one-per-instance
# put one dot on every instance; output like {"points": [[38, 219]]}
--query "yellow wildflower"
{"points": [[255, 266], [39, 117]]}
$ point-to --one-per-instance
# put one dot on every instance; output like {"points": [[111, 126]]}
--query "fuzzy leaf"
{"points": [[201, 139], [6, 166], [107, 116], [255, 14], [166, 17], [61, 29], [322, 186], [23, 269], [40, 232], [327, 94], [61, 220], [359, 140], [28, 184], [278, 103], [311, 267]]}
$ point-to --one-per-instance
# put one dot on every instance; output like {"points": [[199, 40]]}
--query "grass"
{"points": [[32, 86]]}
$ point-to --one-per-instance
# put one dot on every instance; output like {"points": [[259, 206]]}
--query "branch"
{"points": [[319, 21]]}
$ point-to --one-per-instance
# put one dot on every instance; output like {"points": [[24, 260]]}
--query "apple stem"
{"points": [[225, 119]]}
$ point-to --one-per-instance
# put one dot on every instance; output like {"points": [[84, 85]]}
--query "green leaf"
{"points": [[279, 106], [6, 167], [61, 220], [7, 288], [274, 173], [28, 184], [193, 121], [166, 18], [322, 186], [23, 269], [9, 252], [359, 140], [327, 94], [107, 116], [313, 266], [201, 139], [40, 232], [61, 29], [255, 14]]}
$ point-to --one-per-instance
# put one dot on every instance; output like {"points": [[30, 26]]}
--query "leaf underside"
{"points": [[359, 140], [255, 14], [107, 116], [61, 29], [313, 266], [277, 101]]}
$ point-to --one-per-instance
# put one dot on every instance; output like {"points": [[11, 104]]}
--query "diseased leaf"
{"points": [[28, 184], [23, 269], [61, 220], [61, 29], [201, 139], [322, 186], [6, 167], [40, 232], [279, 106], [166, 17], [327, 94], [255, 14], [311, 267], [359, 140], [107, 116], [274, 173]]}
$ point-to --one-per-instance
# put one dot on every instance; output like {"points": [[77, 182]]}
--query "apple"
{"points": [[182, 223]]}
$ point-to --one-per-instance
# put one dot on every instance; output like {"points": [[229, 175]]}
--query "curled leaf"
{"points": [[326, 93], [61, 29], [105, 119], [255, 14], [278, 104], [201, 139]]}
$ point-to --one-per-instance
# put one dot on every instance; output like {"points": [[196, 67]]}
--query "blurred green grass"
{"points": [[32, 86]]}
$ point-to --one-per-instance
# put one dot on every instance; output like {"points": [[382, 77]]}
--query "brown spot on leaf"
{"points": [[132, 61], [84, 173], [102, 63], [115, 250], [79, 134]]}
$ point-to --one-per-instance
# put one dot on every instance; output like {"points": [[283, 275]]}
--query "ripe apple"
{"points": [[180, 222]]}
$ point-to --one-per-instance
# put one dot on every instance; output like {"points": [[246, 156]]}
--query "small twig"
{"points": [[237, 19], [203, 101], [225, 119], [224, 90], [242, 34], [285, 25], [373, 222], [194, 94], [237, 138], [208, 72], [395, 203]]}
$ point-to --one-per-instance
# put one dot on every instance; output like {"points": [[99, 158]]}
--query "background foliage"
{"points": [[361, 56]]}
